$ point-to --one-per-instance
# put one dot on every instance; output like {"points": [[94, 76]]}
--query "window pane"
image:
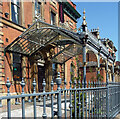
{"points": [[52, 18], [17, 73], [13, 13], [35, 7], [15, 9]]}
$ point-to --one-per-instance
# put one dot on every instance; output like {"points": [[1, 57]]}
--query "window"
{"points": [[61, 13], [87, 57], [15, 11], [54, 70], [37, 8], [53, 18], [17, 70]]}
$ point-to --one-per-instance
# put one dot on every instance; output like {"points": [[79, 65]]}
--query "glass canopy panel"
{"points": [[66, 53], [38, 36]]}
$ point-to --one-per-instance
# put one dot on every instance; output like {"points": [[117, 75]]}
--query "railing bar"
{"points": [[27, 95], [83, 99], [86, 104], [52, 112], [8, 84], [79, 105], [46, 93], [89, 104], [44, 100], [75, 107], [9, 108], [92, 103], [23, 108], [65, 105], [70, 106], [65, 83], [101, 103], [35, 115], [52, 103]]}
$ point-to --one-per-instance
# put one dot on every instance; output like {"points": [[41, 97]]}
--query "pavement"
{"points": [[118, 116], [16, 110]]}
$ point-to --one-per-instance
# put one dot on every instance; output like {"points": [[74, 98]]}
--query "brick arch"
{"points": [[91, 55]]}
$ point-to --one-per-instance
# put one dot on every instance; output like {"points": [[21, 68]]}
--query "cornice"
{"points": [[11, 24]]}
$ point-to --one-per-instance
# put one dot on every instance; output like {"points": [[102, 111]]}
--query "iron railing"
{"points": [[96, 100]]}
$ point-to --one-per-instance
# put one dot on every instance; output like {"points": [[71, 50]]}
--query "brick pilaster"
{"points": [[2, 75]]}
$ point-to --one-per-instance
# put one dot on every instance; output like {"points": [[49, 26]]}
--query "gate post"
{"points": [[58, 81]]}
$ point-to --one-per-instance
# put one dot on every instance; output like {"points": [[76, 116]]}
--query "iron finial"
{"points": [[8, 84]]}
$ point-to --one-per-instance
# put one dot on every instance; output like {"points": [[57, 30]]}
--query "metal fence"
{"points": [[96, 100]]}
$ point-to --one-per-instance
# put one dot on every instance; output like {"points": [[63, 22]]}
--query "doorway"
{"points": [[41, 76]]}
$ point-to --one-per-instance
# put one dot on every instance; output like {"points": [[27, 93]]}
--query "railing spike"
{"points": [[34, 86], [89, 84], [58, 81], [52, 84], [44, 84], [79, 83], [65, 83], [22, 85], [8, 84], [75, 83], [83, 84]]}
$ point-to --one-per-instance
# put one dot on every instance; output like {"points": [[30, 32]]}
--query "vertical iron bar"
{"points": [[23, 98], [94, 101], [107, 92], [70, 106], [89, 100], [58, 81], [44, 100], [34, 98], [52, 112], [79, 100], [83, 99], [75, 107], [86, 100], [8, 84], [65, 83]]}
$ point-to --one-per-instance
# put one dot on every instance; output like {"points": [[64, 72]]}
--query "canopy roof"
{"points": [[41, 35]]}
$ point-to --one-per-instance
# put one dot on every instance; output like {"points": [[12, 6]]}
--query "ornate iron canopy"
{"points": [[40, 35], [65, 43]]}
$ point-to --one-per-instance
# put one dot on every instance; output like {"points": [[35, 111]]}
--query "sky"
{"points": [[103, 15]]}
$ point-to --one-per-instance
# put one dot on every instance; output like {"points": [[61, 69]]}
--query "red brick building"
{"points": [[15, 18]]}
